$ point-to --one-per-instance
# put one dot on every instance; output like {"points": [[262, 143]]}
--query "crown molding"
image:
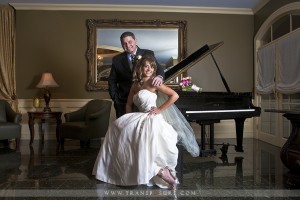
{"points": [[131, 8]]}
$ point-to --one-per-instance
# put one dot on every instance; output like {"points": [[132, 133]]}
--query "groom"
{"points": [[120, 78]]}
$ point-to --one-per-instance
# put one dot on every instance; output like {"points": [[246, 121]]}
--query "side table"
{"points": [[43, 116]]}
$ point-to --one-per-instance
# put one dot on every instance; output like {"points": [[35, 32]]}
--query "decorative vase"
{"points": [[36, 102]]}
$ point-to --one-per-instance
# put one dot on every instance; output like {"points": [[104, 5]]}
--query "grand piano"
{"points": [[208, 108]]}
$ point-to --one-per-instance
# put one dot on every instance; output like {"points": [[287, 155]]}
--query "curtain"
{"points": [[266, 69], [7, 55], [289, 64], [279, 65]]}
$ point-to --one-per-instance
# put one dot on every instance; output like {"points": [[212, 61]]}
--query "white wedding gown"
{"points": [[136, 146]]}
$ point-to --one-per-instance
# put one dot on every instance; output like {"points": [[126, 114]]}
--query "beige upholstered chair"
{"points": [[89, 122]]}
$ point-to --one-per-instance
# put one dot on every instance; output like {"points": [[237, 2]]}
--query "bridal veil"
{"points": [[174, 117]]}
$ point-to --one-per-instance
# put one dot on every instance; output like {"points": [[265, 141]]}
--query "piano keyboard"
{"points": [[219, 111]]}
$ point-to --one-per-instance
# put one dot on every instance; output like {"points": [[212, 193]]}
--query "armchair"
{"points": [[10, 126], [89, 122]]}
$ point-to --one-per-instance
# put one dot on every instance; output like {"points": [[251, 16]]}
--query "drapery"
{"points": [[266, 69], [279, 65], [7, 55], [289, 64]]}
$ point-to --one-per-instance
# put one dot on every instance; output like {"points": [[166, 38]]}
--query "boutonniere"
{"points": [[136, 59], [187, 85]]}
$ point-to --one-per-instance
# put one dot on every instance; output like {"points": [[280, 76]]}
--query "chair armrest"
{"points": [[13, 116], [95, 115], [18, 118], [78, 115]]}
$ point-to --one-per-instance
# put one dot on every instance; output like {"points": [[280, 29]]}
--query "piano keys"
{"points": [[208, 108]]}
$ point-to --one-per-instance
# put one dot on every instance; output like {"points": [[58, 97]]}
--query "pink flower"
{"points": [[187, 85], [185, 81]]}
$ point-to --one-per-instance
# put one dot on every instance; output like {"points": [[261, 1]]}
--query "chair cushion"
{"points": [[2, 112], [9, 130], [72, 129]]}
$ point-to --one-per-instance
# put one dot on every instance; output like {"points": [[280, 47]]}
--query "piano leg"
{"points": [[179, 166], [211, 151], [202, 136], [212, 136], [239, 127]]}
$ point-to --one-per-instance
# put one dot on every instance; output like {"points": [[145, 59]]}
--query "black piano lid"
{"points": [[174, 71]]}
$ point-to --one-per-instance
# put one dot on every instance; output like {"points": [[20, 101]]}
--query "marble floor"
{"points": [[42, 172]]}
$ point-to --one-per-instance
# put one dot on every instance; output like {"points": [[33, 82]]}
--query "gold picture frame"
{"points": [[166, 38]]}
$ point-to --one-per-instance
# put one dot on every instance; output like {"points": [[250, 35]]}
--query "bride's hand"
{"points": [[154, 111]]}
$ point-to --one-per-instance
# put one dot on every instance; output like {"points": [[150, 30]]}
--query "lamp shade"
{"points": [[47, 81]]}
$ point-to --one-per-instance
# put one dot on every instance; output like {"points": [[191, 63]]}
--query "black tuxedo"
{"points": [[120, 79]]}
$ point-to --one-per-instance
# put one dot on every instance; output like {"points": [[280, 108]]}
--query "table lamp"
{"points": [[47, 81]]}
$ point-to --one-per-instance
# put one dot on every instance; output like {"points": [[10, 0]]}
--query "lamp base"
{"points": [[47, 109], [47, 97]]}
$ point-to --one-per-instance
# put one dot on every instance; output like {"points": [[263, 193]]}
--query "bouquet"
{"points": [[187, 85]]}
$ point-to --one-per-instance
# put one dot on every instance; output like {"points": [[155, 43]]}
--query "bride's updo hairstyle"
{"points": [[138, 71]]}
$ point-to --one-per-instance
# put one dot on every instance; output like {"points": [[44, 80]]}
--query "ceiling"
{"points": [[195, 6]]}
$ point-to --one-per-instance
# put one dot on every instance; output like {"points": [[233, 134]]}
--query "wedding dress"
{"points": [[136, 146]]}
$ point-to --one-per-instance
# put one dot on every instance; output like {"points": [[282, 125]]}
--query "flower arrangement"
{"points": [[187, 85]]}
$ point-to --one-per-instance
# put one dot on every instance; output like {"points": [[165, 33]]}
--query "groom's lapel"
{"points": [[140, 52], [125, 62]]}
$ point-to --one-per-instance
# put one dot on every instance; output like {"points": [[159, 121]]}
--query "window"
{"points": [[281, 27], [276, 30], [295, 21]]}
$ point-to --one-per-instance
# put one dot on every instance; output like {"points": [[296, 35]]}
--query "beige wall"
{"points": [[56, 41]]}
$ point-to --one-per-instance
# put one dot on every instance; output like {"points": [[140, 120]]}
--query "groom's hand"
{"points": [[157, 80]]}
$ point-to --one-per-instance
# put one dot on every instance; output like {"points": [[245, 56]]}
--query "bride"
{"points": [[140, 147]]}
